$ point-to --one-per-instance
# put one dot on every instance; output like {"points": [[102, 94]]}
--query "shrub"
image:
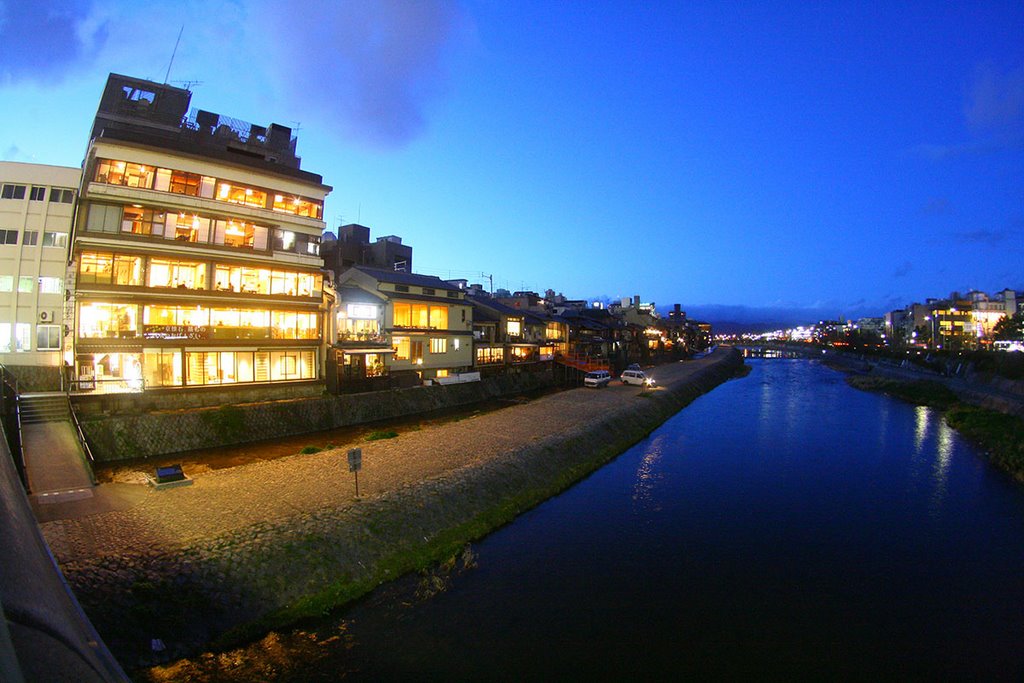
{"points": [[385, 434]]}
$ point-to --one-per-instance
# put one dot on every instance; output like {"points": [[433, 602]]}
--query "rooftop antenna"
{"points": [[173, 52]]}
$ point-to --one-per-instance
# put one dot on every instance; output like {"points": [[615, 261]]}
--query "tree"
{"points": [[1010, 327]]}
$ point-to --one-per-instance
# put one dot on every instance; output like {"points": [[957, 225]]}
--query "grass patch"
{"points": [[383, 434], [306, 450], [920, 392], [1000, 434]]}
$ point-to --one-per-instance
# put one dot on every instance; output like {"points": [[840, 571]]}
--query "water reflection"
{"points": [[645, 499], [940, 470], [921, 420]]}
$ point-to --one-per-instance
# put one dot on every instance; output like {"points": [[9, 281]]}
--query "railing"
{"points": [[10, 411], [81, 440], [106, 386], [582, 362]]}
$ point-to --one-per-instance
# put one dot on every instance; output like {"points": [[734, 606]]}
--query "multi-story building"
{"points": [[195, 249], [426, 322], [36, 209], [352, 247]]}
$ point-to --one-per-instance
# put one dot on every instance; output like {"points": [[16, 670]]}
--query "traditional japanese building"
{"points": [[194, 257]]}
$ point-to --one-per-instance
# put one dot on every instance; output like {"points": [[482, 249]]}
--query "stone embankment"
{"points": [[250, 548]]}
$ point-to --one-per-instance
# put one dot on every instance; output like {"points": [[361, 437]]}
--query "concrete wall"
{"points": [[44, 636], [121, 437]]}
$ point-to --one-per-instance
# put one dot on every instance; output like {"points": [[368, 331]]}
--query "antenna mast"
{"points": [[173, 52]]}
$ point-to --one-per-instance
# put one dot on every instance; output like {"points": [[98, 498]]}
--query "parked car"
{"points": [[636, 377], [634, 366], [597, 379]]}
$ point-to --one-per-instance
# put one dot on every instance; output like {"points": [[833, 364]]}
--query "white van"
{"points": [[597, 379], [636, 377]]}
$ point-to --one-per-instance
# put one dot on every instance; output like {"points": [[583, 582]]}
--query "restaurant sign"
{"points": [[176, 331]]}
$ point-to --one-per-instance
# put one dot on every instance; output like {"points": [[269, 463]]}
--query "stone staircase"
{"points": [[48, 407]]}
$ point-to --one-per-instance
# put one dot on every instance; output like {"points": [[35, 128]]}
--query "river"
{"points": [[784, 525]]}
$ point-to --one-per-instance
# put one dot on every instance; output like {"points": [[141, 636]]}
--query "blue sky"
{"points": [[837, 158]]}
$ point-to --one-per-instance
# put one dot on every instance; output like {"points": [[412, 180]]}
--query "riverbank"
{"points": [[1000, 434], [250, 548]]}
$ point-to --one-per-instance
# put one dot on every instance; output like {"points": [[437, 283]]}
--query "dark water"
{"points": [[783, 526]]}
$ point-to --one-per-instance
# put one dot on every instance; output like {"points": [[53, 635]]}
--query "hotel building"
{"points": [[36, 209], [194, 258]]}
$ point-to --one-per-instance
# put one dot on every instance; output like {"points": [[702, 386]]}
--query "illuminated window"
{"points": [[140, 221], [185, 227], [553, 331], [438, 345], [173, 273], [123, 173], [162, 368], [50, 285], [101, 320], [25, 283], [439, 317], [514, 328], [298, 206], [239, 194], [117, 269], [489, 355], [6, 283], [401, 346], [442, 373], [22, 337]]}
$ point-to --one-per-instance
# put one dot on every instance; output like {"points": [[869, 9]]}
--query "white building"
{"points": [[36, 209]]}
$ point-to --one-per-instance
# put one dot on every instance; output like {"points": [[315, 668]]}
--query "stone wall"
{"points": [[121, 437], [36, 377]]}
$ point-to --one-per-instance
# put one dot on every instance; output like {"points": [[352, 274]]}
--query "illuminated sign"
{"points": [[176, 331]]}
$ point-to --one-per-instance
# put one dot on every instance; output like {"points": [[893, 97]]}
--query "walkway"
{"points": [[56, 466]]}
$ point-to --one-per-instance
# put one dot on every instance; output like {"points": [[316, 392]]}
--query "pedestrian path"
{"points": [[54, 462]]}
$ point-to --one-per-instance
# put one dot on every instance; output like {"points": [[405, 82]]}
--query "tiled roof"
{"points": [[398, 278]]}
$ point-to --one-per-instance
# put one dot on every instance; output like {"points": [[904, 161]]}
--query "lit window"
{"points": [[438, 345], [50, 285], [514, 328], [25, 283], [22, 337], [6, 283]]}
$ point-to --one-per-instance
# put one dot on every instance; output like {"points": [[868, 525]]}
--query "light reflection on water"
{"points": [[645, 494]]}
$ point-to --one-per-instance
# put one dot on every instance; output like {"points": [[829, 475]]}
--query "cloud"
{"points": [[374, 66], [993, 114], [992, 237], [40, 41], [904, 269]]}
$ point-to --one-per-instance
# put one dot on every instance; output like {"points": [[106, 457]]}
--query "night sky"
{"points": [[841, 159]]}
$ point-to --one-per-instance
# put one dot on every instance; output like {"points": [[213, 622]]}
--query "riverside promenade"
{"points": [[251, 544]]}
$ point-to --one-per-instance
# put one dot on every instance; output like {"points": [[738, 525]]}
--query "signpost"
{"points": [[355, 463]]}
